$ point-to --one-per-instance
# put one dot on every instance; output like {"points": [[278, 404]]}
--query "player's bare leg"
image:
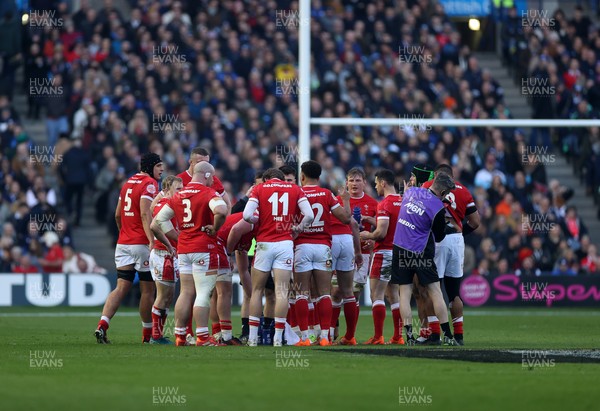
{"points": [[421, 297], [322, 283], [164, 297], [242, 265], [427, 318], [378, 288], [441, 311], [282, 281], [214, 316], [187, 293], [452, 285], [345, 283], [269, 310], [204, 283], [302, 289], [392, 294], [406, 291], [148, 291], [336, 302], [259, 280], [113, 302], [314, 326], [224, 291]]}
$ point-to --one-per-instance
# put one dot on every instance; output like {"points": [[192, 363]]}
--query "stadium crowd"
{"points": [[222, 74]]}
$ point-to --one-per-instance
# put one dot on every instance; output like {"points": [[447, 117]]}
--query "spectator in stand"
{"points": [[55, 99], [53, 259], [75, 173], [573, 227], [24, 265], [590, 264], [562, 268], [76, 263]]}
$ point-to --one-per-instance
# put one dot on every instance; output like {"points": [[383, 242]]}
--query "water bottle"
{"points": [[267, 339]]}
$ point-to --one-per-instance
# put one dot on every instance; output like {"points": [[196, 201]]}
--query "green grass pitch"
{"points": [[52, 362]]}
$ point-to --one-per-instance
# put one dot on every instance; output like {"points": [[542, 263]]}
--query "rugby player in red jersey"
{"points": [[133, 217], [450, 253], [381, 264], [364, 207], [163, 263], [278, 203], [312, 253], [242, 238], [200, 212], [239, 239], [201, 154]]}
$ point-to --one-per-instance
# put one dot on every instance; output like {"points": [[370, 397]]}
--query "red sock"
{"points": [[378, 317], [311, 315], [435, 327], [216, 328], [291, 317], [397, 323], [163, 321], [325, 309], [302, 313], [190, 328], [457, 323], [224, 325], [156, 322], [351, 314], [335, 314], [103, 324], [146, 333]]}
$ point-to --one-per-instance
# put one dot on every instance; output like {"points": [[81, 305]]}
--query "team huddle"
{"points": [[306, 251]]}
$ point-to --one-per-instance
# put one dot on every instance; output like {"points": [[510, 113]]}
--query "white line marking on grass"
{"points": [[475, 313]]}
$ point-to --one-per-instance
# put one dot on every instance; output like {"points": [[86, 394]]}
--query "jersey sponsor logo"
{"points": [[415, 208], [320, 194]]}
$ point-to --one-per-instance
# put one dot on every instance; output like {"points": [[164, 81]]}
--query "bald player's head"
{"points": [[203, 173]]}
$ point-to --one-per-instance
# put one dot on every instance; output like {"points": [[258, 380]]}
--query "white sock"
{"points": [[146, 325], [332, 333], [325, 334], [202, 332], [226, 335], [304, 335], [317, 329], [105, 318]]}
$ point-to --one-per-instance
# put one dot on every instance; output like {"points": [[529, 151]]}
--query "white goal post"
{"points": [[306, 120]]}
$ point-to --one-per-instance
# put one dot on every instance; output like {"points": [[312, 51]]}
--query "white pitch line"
{"points": [[474, 313]]}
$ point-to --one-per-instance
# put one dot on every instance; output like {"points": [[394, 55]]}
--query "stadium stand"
{"points": [[169, 76]]}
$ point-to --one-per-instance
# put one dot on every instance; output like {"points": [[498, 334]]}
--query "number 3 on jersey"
{"points": [[275, 200], [187, 210]]}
